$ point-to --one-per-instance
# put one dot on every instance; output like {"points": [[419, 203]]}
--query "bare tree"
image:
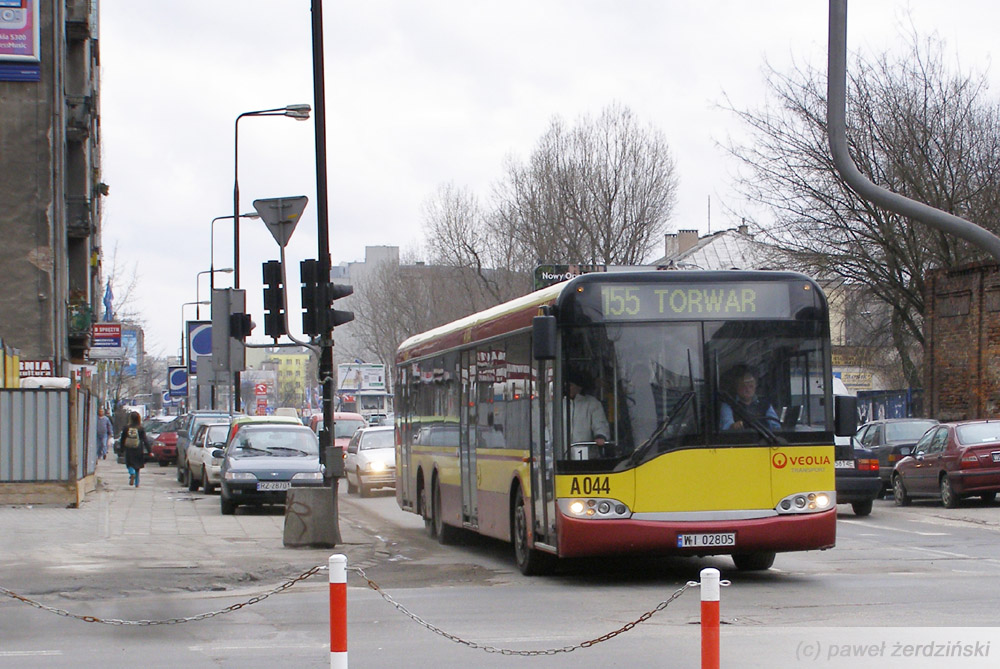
{"points": [[461, 235], [914, 128], [598, 193]]}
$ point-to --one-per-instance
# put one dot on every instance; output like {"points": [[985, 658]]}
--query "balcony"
{"points": [[79, 222], [78, 19], [79, 117], [79, 318]]}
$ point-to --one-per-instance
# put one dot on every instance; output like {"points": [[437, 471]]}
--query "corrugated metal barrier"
{"points": [[36, 443]]}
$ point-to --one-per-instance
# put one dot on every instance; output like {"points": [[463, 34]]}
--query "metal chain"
{"points": [[169, 621], [525, 653]]}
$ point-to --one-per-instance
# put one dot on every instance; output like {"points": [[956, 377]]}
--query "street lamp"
{"points": [[299, 112], [197, 285], [211, 242]]}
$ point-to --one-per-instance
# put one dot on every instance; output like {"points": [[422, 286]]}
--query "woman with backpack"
{"points": [[133, 443]]}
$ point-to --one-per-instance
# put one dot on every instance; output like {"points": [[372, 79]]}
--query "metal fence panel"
{"points": [[34, 435]]}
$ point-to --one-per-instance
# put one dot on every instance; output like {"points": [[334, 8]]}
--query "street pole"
{"points": [[323, 249]]}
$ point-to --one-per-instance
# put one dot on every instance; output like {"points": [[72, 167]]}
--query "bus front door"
{"points": [[543, 461]]}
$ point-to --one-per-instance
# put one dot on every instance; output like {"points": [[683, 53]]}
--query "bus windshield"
{"points": [[670, 385]]}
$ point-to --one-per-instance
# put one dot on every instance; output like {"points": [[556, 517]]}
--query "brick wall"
{"points": [[962, 343]]}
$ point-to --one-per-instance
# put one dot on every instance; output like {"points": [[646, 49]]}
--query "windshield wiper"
{"points": [[679, 409], [286, 448]]}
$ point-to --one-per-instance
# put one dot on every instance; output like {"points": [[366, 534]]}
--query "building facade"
{"points": [[50, 185]]}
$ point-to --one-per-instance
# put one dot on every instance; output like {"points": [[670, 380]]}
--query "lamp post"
{"points": [[299, 112], [211, 242], [197, 285]]}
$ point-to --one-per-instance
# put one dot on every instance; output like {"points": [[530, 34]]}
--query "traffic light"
{"points": [[274, 300], [318, 295], [240, 326]]}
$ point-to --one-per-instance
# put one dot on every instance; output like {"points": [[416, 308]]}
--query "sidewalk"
{"points": [[158, 536]]}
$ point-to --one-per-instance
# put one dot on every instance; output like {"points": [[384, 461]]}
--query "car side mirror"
{"points": [[218, 454], [845, 411]]}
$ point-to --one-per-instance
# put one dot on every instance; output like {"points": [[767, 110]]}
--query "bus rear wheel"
{"points": [[531, 562], [758, 561], [445, 533]]}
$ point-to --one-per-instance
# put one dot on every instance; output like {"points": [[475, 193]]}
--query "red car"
{"points": [[951, 460], [164, 448]]}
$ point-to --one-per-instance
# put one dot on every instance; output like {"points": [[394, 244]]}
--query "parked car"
{"points": [[891, 440], [345, 424], [164, 443], [240, 421], [857, 476], [370, 460], [951, 460], [202, 469], [186, 431], [263, 460], [159, 449]]}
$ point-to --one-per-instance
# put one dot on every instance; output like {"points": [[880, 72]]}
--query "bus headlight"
{"points": [[807, 502], [600, 508]]}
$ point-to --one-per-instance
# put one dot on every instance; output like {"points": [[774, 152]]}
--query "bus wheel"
{"points": [[530, 561], [425, 510], [753, 561], [445, 533]]}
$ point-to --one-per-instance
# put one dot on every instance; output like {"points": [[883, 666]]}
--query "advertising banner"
{"points": [[19, 40], [199, 342], [361, 377], [177, 380]]}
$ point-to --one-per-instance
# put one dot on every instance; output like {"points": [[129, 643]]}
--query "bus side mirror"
{"points": [[543, 335], [845, 412]]}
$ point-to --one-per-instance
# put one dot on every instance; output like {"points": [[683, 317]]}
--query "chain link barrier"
{"points": [[524, 653], [383, 594], [169, 621]]}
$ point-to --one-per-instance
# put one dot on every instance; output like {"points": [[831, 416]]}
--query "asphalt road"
{"points": [[161, 552]]}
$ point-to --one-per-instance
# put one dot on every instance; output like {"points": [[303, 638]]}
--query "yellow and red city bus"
{"points": [[483, 435]]}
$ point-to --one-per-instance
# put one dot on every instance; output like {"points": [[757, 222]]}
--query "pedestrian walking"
{"points": [[134, 446], [104, 431]]}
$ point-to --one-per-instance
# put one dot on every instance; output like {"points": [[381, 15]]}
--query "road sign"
{"points": [[177, 378], [281, 215]]}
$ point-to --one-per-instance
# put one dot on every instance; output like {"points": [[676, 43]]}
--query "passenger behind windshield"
{"points": [[747, 404]]}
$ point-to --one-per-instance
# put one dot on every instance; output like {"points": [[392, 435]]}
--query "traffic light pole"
{"points": [[323, 250]]}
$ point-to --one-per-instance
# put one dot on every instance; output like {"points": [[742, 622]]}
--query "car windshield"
{"points": [[156, 424], [377, 439], [275, 441], [346, 428], [907, 431], [978, 433], [216, 434]]}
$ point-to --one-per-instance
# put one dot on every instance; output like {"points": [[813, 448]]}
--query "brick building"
{"points": [[962, 342]]}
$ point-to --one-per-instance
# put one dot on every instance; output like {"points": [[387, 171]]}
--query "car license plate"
{"points": [[996, 456], [843, 464], [706, 539], [273, 485]]}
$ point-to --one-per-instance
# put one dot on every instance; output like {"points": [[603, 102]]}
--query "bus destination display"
{"points": [[682, 301]]}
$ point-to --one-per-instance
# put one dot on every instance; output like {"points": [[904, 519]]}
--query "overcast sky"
{"points": [[421, 93]]}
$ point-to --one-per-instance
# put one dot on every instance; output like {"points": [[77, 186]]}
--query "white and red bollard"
{"points": [[709, 618], [338, 611]]}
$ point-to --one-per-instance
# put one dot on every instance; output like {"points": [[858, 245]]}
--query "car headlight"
{"points": [[240, 476], [308, 476], [376, 466]]}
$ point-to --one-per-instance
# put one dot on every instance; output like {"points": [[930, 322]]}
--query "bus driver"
{"points": [[749, 404]]}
